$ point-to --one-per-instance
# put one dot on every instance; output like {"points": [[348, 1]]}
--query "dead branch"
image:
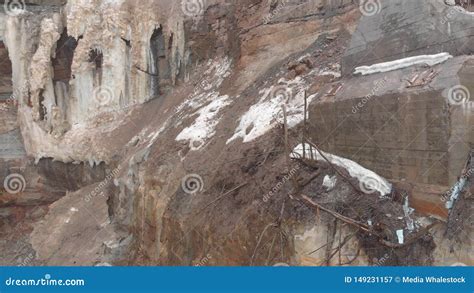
{"points": [[271, 249], [316, 175], [287, 148], [316, 250], [365, 228], [345, 219], [341, 245], [282, 211], [260, 238], [354, 259], [281, 244], [357, 188], [305, 123], [332, 230], [412, 239], [223, 195]]}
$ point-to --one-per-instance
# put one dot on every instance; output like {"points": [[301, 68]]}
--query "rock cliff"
{"points": [[211, 132]]}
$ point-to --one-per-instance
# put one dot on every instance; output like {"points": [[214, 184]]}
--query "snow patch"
{"points": [[334, 70], [72, 211], [401, 238], [335, 74], [218, 70], [204, 126], [205, 92], [455, 192], [329, 182], [154, 135], [354, 169], [304, 57], [267, 112], [408, 211], [429, 60]]}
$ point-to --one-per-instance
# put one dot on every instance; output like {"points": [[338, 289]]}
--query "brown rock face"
{"points": [[199, 115]]}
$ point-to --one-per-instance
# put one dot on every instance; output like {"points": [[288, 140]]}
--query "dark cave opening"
{"points": [[62, 69], [96, 57], [64, 56], [42, 108], [158, 66], [5, 74]]}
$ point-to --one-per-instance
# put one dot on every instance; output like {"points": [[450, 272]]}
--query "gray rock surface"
{"points": [[404, 28]]}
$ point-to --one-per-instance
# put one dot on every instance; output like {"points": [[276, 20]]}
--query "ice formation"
{"points": [[429, 60], [354, 169], [267, 112]]}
